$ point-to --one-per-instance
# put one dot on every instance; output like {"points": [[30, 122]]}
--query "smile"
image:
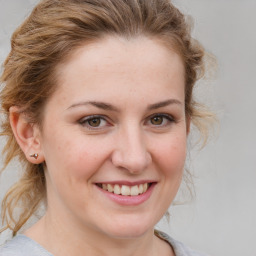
{"points": [[125, 190]]}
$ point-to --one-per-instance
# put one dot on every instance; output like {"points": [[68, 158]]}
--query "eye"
{"points": [[160, 120], [93, 122], [157, 120]]}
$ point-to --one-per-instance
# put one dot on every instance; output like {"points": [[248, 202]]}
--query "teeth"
{"points": [[145, 187], [134, 190], [117, 190], [141, 188], [125, 190], [110, 188]]}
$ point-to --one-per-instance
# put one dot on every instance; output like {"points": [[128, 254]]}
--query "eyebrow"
{"points": [[107, 106], [98, 104], [164, 104]]}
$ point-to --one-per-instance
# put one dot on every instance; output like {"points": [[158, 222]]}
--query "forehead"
{"points": [[112, 50], [121, 64]]}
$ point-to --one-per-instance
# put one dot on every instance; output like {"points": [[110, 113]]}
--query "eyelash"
{"points": [[85, 121], [169, 119]]}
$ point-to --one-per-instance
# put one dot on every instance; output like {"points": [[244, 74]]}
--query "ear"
{"points": [[27, 135]]}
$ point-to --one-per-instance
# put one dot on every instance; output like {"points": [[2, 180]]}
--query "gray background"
{"points": [[221, 219]]}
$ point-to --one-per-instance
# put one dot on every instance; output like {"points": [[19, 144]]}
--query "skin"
{"points": [[140, 135]]}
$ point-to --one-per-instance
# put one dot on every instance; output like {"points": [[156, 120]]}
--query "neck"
{"points": [[67, 240]]}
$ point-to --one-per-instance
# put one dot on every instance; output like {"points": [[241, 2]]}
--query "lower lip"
{"points": [[129, 200]]}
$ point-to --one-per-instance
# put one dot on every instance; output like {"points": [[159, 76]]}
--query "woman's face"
{"points": [[114, 137]]}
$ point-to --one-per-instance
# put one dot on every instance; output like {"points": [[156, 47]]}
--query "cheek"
{"points": [[79, 159], [171, 156], [70, 165]]}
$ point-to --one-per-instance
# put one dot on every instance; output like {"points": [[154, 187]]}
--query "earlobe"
{"points": [[27, 135]]}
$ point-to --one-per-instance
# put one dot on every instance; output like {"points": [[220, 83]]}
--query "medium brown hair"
{"points": [[47, 37]]}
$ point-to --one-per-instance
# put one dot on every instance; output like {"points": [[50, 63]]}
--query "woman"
{"points": [[98, 106]]}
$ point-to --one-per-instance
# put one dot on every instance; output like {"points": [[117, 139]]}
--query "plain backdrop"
{"points": [[221, 219]]}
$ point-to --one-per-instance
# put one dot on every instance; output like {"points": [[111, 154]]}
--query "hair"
{"points": [[51, 33]]}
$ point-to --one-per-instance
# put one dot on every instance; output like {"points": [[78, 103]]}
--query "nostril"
{"points": [[134, 162], [130, 152]]}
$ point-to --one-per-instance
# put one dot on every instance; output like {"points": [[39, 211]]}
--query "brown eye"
{"points": [[95, 122], [157, 120], [160, 120]]}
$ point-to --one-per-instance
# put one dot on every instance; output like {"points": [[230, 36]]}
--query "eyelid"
{"points": [[169, 118], [84, 121]]}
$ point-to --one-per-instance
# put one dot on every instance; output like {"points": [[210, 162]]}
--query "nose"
{"points": [[130, 151]]}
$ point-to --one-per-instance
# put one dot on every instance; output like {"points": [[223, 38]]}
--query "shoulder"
{"points": [[22, 246], [179, 248]]}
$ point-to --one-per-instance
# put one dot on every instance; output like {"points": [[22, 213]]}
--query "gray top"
{"points": [[22, 245]]}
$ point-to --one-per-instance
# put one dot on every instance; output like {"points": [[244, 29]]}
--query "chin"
{"points": [[129, 229]]}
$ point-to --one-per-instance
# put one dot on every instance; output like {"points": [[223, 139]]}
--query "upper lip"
{"points": [[128, 183]]}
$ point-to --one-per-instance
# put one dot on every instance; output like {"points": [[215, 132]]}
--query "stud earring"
{"points": [[34, 155]]}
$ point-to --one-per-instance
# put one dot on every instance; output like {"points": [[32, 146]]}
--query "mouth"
{"points": [[125, 190]]}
